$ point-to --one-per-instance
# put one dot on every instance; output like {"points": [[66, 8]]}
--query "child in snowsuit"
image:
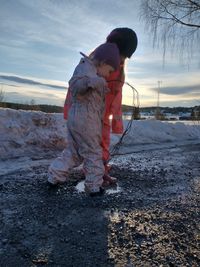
{"points": [[126, 41], [88, 88]]}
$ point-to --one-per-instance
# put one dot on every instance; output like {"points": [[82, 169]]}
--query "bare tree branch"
{"points": [[194, 3], [175, 18], [174, 23]]}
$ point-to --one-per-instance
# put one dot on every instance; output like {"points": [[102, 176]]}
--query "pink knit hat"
{"points": [[107, 53]]}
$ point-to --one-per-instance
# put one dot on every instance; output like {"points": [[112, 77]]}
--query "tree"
{"points": [[33, 105], [175, 24], [32, 102], [2, 95], [136, 113]]}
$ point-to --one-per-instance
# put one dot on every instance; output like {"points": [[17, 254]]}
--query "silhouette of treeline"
{"points": [[125, 108], [152, 110], [174, 110], [44, 108]]}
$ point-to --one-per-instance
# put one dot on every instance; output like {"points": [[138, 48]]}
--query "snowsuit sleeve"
{"points": [[80, 83], [116, 110], [114, 101]]}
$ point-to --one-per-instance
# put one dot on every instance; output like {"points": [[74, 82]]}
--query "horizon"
{"points": [[39, 52], [142, 107]]}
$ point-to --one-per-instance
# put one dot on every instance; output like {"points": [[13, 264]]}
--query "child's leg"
{"points": [[87, 135], [60, 167], [106, 140], [94, 170]]}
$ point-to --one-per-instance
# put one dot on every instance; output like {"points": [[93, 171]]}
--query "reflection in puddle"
{"points": [[80, 187], [111, 190], [114, 189]]}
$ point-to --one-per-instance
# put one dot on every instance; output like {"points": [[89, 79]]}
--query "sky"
{"points": [[40, 42]]}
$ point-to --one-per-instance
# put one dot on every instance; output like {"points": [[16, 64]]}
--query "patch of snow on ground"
{"points": [[154, 132]]}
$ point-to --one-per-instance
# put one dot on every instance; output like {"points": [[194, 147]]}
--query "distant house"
{"points": [[147, 115], [171, 117], [184, 116]]}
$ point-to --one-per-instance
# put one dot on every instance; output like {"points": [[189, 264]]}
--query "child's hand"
{"points": [[97, 82]]}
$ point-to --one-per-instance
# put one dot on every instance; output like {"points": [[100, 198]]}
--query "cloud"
{"points": [[63, 24], [30, 82], [29, 88], [11, 85], [43, 39], [39, 95], [179, 90]]}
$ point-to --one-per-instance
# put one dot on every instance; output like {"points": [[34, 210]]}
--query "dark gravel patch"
{"points": [[153, 221]]}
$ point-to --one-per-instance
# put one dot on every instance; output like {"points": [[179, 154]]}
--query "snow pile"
{"points": [[153, 132], [22, 132]]}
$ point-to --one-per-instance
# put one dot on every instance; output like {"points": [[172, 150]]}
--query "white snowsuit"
{"points": [[84, 128]]}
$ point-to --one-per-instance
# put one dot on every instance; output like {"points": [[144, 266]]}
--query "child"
{"points": [[126, 41], [84, 125]]}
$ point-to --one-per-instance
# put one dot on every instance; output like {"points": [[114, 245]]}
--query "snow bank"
{"points": [[153, 132], [22, 132]]}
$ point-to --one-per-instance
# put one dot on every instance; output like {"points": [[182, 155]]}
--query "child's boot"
{"points": [[107, 179], [94, 193]]}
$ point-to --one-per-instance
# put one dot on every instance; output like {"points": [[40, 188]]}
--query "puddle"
{"points": [[114, 189], [111, 190]]}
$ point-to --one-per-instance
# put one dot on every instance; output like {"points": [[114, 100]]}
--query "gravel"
{"points": [[153, 220]]}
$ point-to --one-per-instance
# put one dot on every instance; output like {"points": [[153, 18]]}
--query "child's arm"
{"points": [[97, 82], [80, 85]]}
